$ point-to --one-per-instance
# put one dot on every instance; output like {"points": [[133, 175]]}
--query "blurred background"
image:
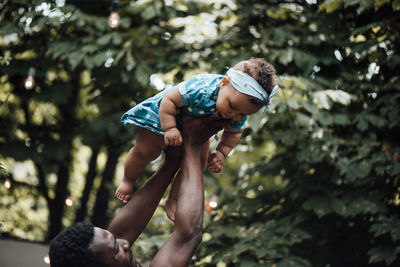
{"points": [[314, 180]]}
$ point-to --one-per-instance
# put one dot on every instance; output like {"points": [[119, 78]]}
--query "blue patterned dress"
{"points": [[198, 96]]}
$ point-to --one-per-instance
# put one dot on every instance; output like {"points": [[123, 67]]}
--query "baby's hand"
{"points": [[172, 137], [216, 162]]}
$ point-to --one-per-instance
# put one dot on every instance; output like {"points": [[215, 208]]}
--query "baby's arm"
{"points": [[228, 141], [168, 108]]}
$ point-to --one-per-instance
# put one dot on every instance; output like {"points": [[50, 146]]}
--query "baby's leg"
{"points": [[147, 148], [171, 200]]}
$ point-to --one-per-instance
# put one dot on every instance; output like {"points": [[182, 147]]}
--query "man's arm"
{"points": [[186, 236], [131, 220]]}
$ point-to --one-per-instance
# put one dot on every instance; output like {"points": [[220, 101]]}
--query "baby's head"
{"points": [[240, 95], [262, 72]]}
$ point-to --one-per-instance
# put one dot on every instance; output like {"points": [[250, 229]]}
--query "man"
{"points": [[85, 245]]}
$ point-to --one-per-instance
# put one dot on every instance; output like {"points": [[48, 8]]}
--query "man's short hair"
{"points": [[71, 248]]}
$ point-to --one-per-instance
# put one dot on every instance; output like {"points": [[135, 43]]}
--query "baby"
{"points": [[246, 88]]}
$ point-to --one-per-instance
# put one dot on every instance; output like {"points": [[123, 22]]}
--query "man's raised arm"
{"points": [[131, 220], [179, 249]]}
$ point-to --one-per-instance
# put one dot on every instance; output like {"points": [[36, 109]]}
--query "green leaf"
{"points": [[262, 252], [363, 5], [325, 118], [293, 262], [395, 233], [304, 119], [362, 124], [358, 170], [239, 248], [142, 74], [117, 39], [309, 107], [304, 61], [88, 62], [375, 120], [380, 228], [99, 58], [339, 96], [90, 48], [319, 204], [393, 169], [257, 120], [105, 39], [379, 254], [10, 28], [339, 206], [293, 103], [322, 99], [100, 25], [249, 206], [149, 12], [58, 49], [286, 56], [341, 119], [75, 58], [228, 231]]}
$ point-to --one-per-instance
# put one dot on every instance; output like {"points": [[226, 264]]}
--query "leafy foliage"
{"points": [[315, 181], [336, 149]]}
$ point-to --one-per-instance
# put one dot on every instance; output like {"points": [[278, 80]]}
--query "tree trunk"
{"points": [[90, 176], [57, 209], [68, 126], [100, 217]]}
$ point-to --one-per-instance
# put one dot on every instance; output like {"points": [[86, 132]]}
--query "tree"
{"points": [[317, 182], [84, 77], [333, 127]]}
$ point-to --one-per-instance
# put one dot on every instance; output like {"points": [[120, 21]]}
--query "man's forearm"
{"points": [[179, 249], [134, 216], [189, 213]]}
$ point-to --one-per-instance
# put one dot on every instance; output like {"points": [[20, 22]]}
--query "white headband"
{"points": [[246, 84]]}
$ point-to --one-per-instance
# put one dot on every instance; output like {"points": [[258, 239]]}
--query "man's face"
{"points": [[114, 252]]}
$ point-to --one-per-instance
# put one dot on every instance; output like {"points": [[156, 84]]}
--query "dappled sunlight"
{"points": [[317, 169]]}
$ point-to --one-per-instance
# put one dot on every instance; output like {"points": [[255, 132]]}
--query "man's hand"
{"points": [[172, 137], [198, 130], [216, 162], [173, 155]]}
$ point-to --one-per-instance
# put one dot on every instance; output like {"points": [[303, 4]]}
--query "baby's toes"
{"points": [[125, 198], [120, 196]]}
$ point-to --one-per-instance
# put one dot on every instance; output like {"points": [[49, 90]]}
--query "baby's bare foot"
{"points": [[124, 191], [170, 208]]}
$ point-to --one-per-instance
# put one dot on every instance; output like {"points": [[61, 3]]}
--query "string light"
{"points": [[114, 19], [7, 183], [212, 203], [30, 80], [46, 259], [68, 201]]}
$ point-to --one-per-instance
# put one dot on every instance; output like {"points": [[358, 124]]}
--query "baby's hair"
{"points": [[263, 72]]}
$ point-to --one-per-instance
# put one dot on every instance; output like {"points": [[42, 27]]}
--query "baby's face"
{"points": [[234, 105]]}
